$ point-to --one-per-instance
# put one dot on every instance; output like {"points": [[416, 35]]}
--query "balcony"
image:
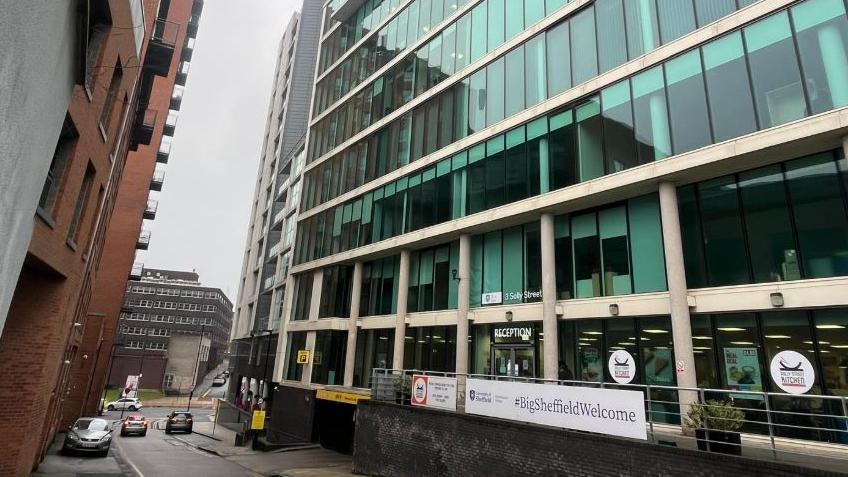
{"points": [[143, 242], [150, 209], [188, 49], [160, 49], [164, 151], [177, 98], [193, 24], [135, 271], [182, 73], [171, 123], [143, 125], [157, 180]]}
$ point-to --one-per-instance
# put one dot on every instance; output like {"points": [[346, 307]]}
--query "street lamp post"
{"points": [[109, 375], [196, 366]]}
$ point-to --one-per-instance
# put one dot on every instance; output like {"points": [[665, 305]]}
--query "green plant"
{"points": [[402, 383], [715, 415]]}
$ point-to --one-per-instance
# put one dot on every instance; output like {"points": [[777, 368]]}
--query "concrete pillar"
{"points": [[463, 303], [350, 353], [549, 318], [315, 303], [845, 146], [400, 317], [306, 378], [283, 336], [681, 326]]}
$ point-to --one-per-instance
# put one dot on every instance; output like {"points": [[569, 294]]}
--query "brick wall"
{"points": [[393, 440]]}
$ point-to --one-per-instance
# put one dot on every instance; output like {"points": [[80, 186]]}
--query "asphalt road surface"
{"points": [[155, 455]]}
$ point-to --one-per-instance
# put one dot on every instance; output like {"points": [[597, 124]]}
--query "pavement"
{"points": [[207, 452]]}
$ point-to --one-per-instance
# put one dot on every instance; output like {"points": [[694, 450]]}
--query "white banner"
{"points": [[605, 411], [131, 387], [434, 391]]}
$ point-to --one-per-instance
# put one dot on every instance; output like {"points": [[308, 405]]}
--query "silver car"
{"points": [[89, 434]]}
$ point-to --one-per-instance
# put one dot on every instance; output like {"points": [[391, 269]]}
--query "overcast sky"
{"points": [[205, 202]]}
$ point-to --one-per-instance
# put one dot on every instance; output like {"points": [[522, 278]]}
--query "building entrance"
{"points": [[519, 361]]}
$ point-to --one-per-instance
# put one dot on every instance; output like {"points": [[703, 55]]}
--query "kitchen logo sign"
{"points": [[792, 372], [622, 366]]}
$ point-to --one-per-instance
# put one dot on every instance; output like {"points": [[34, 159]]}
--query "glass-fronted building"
{"points": [[522, 187]]}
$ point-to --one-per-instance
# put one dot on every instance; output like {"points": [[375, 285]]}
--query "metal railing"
{"points": [[807, 429]]}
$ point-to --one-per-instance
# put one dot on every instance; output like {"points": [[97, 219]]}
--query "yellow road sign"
{"points": [[303, 356]]}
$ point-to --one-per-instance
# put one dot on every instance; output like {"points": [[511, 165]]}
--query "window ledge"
{"points": [[45, 216], [71, 244]]}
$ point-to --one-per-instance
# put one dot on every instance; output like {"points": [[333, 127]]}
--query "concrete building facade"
{"points": [[52, 281], [267, 257], [521, 188]]}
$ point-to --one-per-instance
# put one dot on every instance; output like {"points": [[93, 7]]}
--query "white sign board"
{"points": [[622, 366], [434, 391], [792, 372], [605, 411], [492, 298], [131, 387]]}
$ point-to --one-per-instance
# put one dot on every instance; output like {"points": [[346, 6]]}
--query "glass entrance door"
{"points": [[514, 361]]}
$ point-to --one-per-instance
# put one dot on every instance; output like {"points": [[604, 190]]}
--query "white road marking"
{"points": [[126, 458]]}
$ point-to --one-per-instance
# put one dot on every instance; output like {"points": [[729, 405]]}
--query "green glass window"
{"points": [[534, 11], [774, 255], [590, 152], [587, 256], [676, 17], [330, 345], [492, 263], [517, 186], [617, 113], [448, 50], [478, 102], [687, 103], [709, 11], [495, 173], [514, 18], [496, 23], [532, 262], [612, 45], [462, 118], [558, 59], [476, 286], [612, 226], [646, 244], [513, 262], [463, 41], [495, 92], [562, 150], [374, 349], [478, 32], [296, 342], [653, 138], [554, 5], [724, 241], [563, 258], [535, 78], [643, 33], [729, 90], [774, 71], [821, 34], [514, 66], [820, 215], [584, 59]]}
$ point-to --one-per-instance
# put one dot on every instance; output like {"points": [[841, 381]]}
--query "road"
{"points": [[155, 455]]}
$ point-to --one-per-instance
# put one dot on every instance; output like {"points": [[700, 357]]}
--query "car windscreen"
{"points": [[182, 414], [94, 424]]}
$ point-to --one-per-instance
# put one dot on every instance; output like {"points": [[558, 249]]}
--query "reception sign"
{"points": [[605, 411]]}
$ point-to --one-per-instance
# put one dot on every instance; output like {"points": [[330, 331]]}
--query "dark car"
{"points": [[88, 434], [178, 421], [134, 424]]}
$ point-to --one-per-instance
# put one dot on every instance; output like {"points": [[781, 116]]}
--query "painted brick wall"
{"points": [[393, 440]]}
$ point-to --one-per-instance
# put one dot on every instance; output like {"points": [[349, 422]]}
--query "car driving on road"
{"points": [[89, 434], [178, 421], [219, 380], [134, 424], [129, 404]]}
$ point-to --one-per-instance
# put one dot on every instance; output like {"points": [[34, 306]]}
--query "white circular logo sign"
{"points": [[792, 372], [419, 389], [622, 366]]}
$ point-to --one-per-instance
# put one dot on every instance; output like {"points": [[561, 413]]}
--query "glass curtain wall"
{"points": [[430, 348], [506, 266], [335, 292], [374, 349], [432, 285], [296, 342], [302, 297], [379, 287], [328, 357]]}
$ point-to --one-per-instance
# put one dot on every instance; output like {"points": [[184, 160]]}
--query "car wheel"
{"points": [[132, 408], [104, 453], [143, 433], [123, 434], [167, 431], [110, 407]]}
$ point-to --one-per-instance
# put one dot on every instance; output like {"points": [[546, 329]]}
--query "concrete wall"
{"points": [[393, 440], [36, 81]]}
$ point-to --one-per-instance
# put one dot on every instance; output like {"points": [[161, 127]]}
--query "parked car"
{"points": [[226, 373], [130, 404], [178, 421], [134, 424], [88, 434], [219, 380]]}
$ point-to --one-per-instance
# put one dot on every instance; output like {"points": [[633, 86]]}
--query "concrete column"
{"points": [[845, 146], [306, 378], [283, 337], [549, 318], [315, 303], [463, 303], [350, 354], [400, 317], [681, 326]]}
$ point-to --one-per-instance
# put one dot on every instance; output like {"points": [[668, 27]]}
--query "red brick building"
{"points": [[43, 332], [125, 233]]}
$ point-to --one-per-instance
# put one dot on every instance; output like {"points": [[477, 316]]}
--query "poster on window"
{"points": [[742, 369], [131, 387], [591, 366], [659, 366]]}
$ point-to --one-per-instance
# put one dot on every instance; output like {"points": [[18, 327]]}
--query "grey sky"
{"points": [[205, 203]]}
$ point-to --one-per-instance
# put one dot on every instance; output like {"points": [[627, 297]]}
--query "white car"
{"points": [[129, 404]]}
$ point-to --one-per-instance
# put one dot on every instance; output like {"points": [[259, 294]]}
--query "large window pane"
{"points": [[687, 103], [562, 153], [514, 81], [587, 256], [729, 89], [513, 260], [822, 35], [495, 173], [677, 18], [709, 11], [477, 102], [584, 60], [478, 32], [563, 258], [612, 45], [463, 41], [774, 255], [615, 255], [643, 33], [618, 127], [536, 80], [820, 216], [724, 242], [646, 244], [532, 262], [514, 18], [653, 140], [774, 71], [492, 263], [495, 92], [516, 166], [558, 59], [832, 333], [496, 24], [590, 152]]}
